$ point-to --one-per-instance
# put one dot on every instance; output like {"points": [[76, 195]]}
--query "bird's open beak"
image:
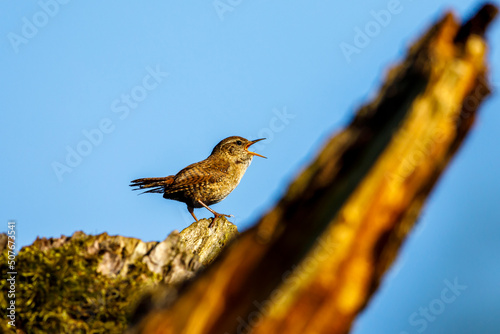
{"points": [[250, 144]]}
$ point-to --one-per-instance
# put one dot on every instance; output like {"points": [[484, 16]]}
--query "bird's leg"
{"points": [[216, 214], [191, 211]]}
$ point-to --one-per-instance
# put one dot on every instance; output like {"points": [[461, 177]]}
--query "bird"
{"points": [[207, 182]]}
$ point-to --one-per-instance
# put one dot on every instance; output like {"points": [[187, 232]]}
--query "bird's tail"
{"points": [[157, 184]]}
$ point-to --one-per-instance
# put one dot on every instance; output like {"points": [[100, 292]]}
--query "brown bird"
{"points": [[206, 182]]}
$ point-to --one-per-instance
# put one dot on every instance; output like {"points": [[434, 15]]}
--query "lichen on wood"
{"points": [[91, 284]]}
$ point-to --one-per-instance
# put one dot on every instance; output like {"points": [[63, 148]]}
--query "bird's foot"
{"points": [[218, 215], [222, 215]]}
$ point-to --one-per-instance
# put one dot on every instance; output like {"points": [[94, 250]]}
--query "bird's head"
{"points": [[236, 149]]}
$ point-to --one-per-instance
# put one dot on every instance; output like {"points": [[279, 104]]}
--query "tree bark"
{"points": [[90, 283]]}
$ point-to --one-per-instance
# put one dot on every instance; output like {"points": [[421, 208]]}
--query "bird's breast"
{"points": [[223, 184]]}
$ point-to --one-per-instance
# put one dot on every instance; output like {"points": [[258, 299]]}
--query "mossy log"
{"points": [[312, 262], [91, 284]]}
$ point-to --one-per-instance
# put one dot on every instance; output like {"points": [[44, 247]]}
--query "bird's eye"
{"points": [[239, 142]]}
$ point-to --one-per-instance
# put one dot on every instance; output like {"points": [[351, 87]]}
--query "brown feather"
{"points": [[157, 183], [197, 173]]}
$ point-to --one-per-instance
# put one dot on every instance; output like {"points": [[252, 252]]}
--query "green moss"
{"points": [[60, 291]]}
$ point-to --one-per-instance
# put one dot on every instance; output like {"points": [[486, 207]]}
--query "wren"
{"points": [[206, 182]]}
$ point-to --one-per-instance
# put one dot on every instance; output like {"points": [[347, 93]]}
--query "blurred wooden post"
{"points": [[311, 263]]}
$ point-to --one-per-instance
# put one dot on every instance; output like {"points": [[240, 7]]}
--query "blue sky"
{"points": [[97, 94]]}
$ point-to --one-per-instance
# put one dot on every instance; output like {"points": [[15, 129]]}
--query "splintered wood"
{"points": [[312, 263]]}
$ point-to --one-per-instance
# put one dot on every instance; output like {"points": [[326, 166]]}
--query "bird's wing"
{"points": [[198, 174]]}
